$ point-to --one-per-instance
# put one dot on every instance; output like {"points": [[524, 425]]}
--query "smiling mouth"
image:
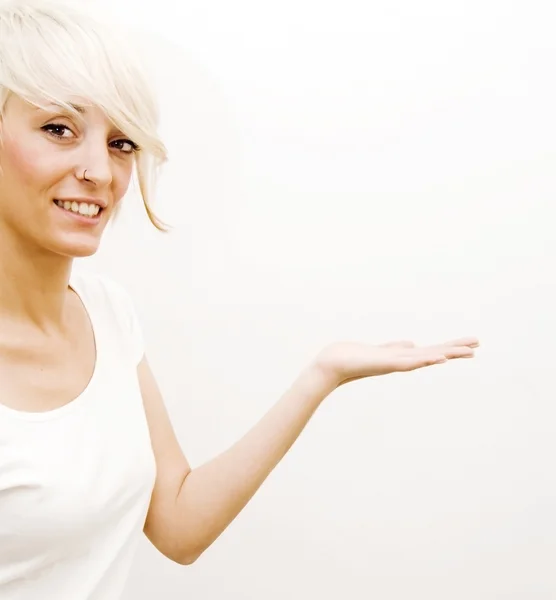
{"points": [[82, 209]]}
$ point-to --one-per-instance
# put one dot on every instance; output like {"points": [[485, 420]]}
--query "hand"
{"points": [[345, 362]]}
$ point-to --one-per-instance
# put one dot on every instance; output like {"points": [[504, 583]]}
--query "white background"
{"points": [[368, 171]]}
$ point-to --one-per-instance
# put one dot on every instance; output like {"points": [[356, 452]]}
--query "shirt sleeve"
{"points": [[136, 339], [128, 320]]}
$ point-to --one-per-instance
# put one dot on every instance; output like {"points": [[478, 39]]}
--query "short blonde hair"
{"points": [[51, 51]]}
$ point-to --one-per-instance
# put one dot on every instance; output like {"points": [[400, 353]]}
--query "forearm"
{"points": [[212, 495], [190, 508]]}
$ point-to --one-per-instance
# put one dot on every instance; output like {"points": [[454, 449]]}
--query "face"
{"points": [[44, 199]]}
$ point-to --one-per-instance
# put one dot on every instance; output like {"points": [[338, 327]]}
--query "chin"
{"points": [[76, 248], [83, 252]]}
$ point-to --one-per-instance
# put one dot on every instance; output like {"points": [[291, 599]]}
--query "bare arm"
{"points": [[191, 508]]}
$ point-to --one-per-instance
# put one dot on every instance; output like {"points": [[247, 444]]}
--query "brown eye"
{"points": [[126, 146], [57, 130]]}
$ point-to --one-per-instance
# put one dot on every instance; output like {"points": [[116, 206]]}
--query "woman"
{"points": [[88, 457]]}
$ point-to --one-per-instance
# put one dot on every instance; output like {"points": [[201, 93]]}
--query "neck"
{"points": [[33, 284]]}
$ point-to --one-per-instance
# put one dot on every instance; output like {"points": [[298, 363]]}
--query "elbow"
{"points": [[187, 557], [185, 560]]}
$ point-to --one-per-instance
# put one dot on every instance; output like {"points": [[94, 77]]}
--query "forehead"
{"points": [[79, 105], [76, 107], [33, 105], [18, 111]]}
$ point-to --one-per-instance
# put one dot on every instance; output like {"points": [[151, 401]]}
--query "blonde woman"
{"points": [[88, 457]]}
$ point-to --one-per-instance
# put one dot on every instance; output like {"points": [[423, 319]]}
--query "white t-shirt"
{"points": [[76, 482]]}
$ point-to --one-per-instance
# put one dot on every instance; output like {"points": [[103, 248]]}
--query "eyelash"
{"points": [[51, 126]]}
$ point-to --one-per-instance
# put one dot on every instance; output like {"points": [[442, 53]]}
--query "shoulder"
{"points": [[111, 304], [101, 293], [98, 286]]}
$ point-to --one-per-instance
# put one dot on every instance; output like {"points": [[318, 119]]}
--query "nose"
{"points": [[96, 161]]}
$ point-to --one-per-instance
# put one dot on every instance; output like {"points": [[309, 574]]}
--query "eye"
{"points": [[57, 130], [125, 146]]}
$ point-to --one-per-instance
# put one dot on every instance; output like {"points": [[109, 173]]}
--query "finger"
{"points": [[459, 352], [414, 363], [443, 350], [471, 342], [455, 349]]}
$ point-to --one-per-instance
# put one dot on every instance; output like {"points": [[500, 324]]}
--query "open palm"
{"points": [[349, 361]]}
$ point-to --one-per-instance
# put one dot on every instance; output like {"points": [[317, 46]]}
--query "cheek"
{"points": [[27, 164], [122, 180]]}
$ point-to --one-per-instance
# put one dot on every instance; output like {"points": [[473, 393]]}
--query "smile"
{"points": [[80, 208]]}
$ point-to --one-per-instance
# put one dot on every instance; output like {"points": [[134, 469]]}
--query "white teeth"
{"points": [[87, 210]]}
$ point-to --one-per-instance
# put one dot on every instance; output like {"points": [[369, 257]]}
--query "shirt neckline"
{"points": [[72, 405]]}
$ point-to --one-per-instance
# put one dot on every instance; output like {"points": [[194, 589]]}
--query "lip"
{"points": [[83, 220], [98, 201]]}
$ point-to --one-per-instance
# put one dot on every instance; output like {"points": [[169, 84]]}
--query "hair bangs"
{"points": [[52, 53]]}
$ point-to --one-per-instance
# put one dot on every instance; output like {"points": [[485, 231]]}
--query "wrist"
{"points": [[321, 377]]}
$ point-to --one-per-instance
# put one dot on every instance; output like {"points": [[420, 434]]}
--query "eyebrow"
{"points": [[77, 107], [80, 109]]}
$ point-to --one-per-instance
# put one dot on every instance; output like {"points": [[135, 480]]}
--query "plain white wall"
{"points": [[369, 171]]}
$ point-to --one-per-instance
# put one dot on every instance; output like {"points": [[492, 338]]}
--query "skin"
{"points": [[190, 508], [39, 242]]}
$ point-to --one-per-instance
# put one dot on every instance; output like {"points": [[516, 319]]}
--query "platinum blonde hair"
{"points": [[51, 52]]}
